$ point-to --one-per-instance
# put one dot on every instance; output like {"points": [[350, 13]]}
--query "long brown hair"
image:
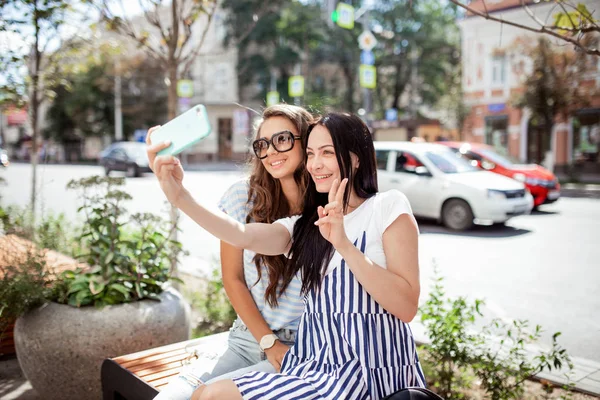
{"points": [[270, 204]]}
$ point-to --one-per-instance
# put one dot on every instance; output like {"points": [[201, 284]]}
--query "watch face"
{"points": [[267, 342]]}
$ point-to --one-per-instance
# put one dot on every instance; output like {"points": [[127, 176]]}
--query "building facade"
{"points": [[492, 77]]}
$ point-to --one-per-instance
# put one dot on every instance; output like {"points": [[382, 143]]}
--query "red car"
{"points": [[542, 184]]}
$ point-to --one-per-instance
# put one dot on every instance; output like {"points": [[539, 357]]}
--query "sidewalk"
{"points": [[585, 375], [588, 190]]}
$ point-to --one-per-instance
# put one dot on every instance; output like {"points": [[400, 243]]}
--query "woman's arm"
{"points": [[232, 268], [396, 288], [267, 239]]}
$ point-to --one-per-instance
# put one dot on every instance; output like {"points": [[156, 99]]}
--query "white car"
{"points": [[441, 185]]}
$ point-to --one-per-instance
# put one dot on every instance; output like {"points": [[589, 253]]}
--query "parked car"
{"points": [[440, 184], [542, 184], [4, 161], [130, 157]]}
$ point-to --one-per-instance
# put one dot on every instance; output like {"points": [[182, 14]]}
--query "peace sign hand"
{"points": [[331, 217]]}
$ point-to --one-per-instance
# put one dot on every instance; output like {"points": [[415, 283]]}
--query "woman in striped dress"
{"points": [[267, 310], [357, 252]]}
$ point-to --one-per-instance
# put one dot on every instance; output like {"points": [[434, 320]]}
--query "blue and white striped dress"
{"points": [[348, 346]]}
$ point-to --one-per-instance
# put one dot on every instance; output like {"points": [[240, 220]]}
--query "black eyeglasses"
{"points": [[282, 141]]}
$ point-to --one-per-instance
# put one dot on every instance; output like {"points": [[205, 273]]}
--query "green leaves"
{"points": [[496, 353], [572, 22], [129, 255]]}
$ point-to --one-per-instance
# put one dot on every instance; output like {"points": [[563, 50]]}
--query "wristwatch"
{"points": [[267, 341]]}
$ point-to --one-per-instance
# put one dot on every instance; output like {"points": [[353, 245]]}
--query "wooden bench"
{"points": [[141, 375]]}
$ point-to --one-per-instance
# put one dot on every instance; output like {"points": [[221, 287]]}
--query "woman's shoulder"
{"points": [[392, 195], [236, 196]]}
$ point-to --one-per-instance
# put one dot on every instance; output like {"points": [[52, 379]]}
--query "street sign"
{"points": [[139, 135], [366, 40], [368, 76], [345, 16], [184, 104], [367, 57], [391, 114], [272, 98], [185, 88], [296, 86]]}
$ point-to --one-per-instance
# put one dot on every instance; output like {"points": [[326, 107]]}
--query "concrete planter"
{"points": [[61, 348]]}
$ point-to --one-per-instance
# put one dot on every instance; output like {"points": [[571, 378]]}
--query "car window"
{"points": [[449, 162], [407, 162], [382, 158], [119, 153]]}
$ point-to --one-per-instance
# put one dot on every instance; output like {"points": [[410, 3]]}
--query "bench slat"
{"points": [[157, 366], [158, 363], [151, 358]]}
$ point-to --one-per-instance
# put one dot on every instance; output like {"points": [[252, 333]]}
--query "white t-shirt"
{"points": [[369, 221]]}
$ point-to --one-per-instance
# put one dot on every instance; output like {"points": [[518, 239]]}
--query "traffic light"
{"points": [[335, 16]]}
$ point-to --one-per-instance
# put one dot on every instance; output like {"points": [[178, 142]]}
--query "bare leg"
{"points": [[221, 390]]}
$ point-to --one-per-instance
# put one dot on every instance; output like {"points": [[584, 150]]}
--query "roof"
{"points": [[409, 146], [467, 145]]}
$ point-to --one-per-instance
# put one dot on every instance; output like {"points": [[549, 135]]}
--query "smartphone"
{"points": [[183, 131]]}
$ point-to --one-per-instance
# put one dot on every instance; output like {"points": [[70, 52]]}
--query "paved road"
{"points": [[541, 267]]}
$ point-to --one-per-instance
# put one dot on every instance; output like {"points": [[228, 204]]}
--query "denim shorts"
{"points": [[243, 355]]}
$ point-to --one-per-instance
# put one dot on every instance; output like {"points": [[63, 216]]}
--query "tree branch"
{"points": [[531, 14], [544, 29], [124, 27], [189, 58]]}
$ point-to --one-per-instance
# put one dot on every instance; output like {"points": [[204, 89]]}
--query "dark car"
{"points": [[129, 157]]}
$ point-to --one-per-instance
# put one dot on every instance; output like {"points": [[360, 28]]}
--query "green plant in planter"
{"points": [[129, 255], [461, 349], [23, 287]]}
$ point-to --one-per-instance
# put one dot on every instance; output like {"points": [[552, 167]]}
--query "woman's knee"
{"points": [[221, 390]]}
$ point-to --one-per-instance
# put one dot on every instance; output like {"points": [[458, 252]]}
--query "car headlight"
{"points": [[534, 182], [496, 194], [519, 177]]}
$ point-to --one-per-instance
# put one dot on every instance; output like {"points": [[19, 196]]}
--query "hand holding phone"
{"points": [[183, 131]]}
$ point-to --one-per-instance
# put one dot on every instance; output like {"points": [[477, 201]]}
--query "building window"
{"points": [[498, 70], [586, 136], [496, 133]]}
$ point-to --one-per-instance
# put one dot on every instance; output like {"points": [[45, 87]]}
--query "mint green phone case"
{"points": [[183, 131]]}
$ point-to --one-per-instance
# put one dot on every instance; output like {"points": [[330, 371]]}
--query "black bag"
{"points": [[416, 393]]}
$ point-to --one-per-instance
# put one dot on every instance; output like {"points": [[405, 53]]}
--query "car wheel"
{"points": [[132, 171], [106, 171], [457, 215]]}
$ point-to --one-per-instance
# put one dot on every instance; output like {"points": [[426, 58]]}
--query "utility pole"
{"points": [[118, 112], [330, 8], [366, 91]]}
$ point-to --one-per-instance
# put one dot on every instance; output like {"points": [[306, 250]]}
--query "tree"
{"points": [[175, 43], [418, 50], [571, 23], [83, 101], [553, 88], [38, 22], [272, 40]]}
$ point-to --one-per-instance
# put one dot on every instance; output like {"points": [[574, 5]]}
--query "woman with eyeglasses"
{"points": [[263, 293], [357, 253]]}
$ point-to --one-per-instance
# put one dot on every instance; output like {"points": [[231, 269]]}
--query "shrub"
{"points": [[213, 306], [496, 354], [130, 256]]}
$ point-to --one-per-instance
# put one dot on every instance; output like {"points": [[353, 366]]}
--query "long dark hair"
{"points": [[270, 204], [310, 252]]}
